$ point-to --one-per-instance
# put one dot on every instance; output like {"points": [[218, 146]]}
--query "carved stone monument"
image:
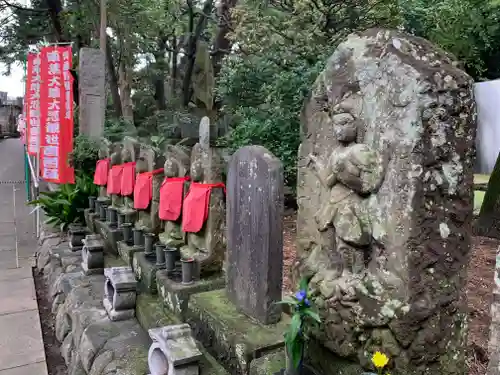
{"points": [[173, 351], [92, 93], [207, 246], [93, 255], [120, 293], [384, 193], [255, 233], [177, 164]]}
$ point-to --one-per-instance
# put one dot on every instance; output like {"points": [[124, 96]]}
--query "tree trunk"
{"points": [[222, 45], [125, 92], [159, 76], [113, 81], [194, 35]]}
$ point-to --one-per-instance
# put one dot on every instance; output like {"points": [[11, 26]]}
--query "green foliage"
{"points": [[303, 316], [66, 205], [85, 155], [469, 29], [115, 130]]}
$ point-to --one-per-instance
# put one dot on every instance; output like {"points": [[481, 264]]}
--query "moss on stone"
{"points": [[150, 313], [137, 361], [145, 272], [269, 364], [231, 336], [113, 261]]}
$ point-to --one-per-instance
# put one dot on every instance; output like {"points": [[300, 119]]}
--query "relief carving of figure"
{"points": [[351, 173]]}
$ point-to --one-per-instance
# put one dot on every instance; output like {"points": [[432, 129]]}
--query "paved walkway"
{"points": [[21, 344]]}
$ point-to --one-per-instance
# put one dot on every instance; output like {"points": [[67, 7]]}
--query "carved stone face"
{"points": [[197, 174], [344, 127], [126, 156], [171, 168]]}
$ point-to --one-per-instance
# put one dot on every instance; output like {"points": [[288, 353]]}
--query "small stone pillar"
{"points": [[173, 351], [92, 255], [120, 293], [77, 234]]}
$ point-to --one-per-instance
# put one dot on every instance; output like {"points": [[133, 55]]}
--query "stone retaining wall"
{"points": [[91, 343]]}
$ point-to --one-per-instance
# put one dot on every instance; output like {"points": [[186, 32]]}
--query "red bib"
{"points": [[196, 204], [114, 179], [143, 189], [171, 193], [101, 172], [128, 179]]}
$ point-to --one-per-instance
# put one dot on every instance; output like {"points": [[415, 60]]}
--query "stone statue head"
{"points": [[197, 172], [344, 127], [126, 155], [171, 168]]}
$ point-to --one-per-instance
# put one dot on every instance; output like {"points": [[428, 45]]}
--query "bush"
{"points": [[85, 155], [66, 205]]}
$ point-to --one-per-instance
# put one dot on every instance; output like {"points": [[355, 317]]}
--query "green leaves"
{"points": [[66, 205]]}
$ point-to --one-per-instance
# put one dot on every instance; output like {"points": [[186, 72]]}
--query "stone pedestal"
{"points": [[76, 235], [127, 251], [230, 335], [120, 293], [145, 271], [173, 351], [93, 255], [110, 234], [175, 295]]}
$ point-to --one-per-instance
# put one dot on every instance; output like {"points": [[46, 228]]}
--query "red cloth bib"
{"points": [[171, 193], [114, 179], [128, 179], [196, 204], [101, 172], [143, 189]]}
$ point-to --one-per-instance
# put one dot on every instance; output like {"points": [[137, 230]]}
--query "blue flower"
{"points": [[301, 295], [307, 303]]}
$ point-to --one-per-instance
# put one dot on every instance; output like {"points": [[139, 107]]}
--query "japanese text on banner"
{"points": [[33, 105], [56, 136]]}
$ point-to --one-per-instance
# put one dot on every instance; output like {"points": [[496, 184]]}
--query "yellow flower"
{"points": [[380, 360]]}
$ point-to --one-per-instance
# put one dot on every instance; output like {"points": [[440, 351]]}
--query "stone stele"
{"points": [[385, 202]]}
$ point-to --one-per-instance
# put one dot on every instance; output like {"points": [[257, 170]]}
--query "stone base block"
{"points": [[145, 272], [75, 248], [231, 337], [127, 252], [90, 218], [175, 295], [272, 363], [110, 234], [117, 315], [91, 271]]}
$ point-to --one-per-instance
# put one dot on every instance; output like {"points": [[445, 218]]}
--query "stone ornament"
{"points": [[77, 234], [120, 293], [384, 178], [92, 254], [173, 351]]}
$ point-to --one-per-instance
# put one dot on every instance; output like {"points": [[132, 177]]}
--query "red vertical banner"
{"points": [[56, 135], [32, 103]]}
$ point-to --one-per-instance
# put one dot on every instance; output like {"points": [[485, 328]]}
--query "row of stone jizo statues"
{"points": [[174, 199], [165, 214]]}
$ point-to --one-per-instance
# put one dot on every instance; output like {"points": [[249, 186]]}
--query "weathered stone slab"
{"points": [[255, 233], [110, 235], [230, 336], [175, 295], [127, 252], [145, 272], [91, 85], [384, 189]]}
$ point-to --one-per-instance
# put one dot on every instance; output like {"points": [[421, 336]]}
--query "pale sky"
{"points": [[13, 84]]}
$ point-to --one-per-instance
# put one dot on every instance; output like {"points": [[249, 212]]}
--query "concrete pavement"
{"points": [[21, 344]]}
